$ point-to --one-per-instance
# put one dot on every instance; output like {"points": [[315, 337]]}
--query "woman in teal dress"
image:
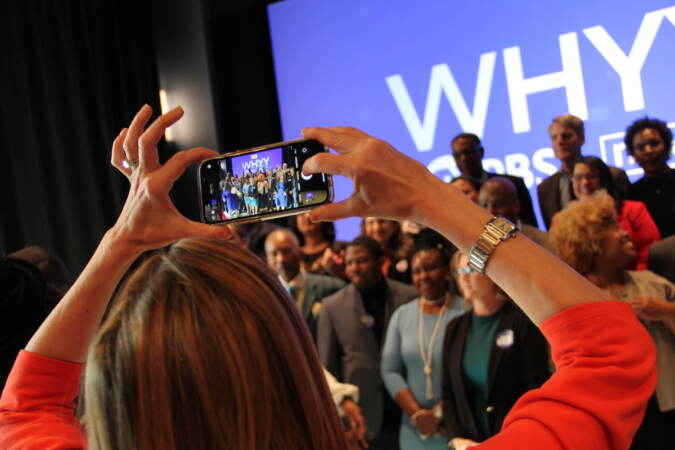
{"points": [[492, 354], [411, 367]]}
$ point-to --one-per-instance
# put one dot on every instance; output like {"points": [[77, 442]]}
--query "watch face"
{"points": [[503, 225]]}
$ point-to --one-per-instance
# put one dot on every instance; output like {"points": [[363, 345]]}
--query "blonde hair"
{"points": [[203, 349], [579, 229]]}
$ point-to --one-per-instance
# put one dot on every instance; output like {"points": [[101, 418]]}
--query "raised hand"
{"points": [[149, 219], [386, 182]]}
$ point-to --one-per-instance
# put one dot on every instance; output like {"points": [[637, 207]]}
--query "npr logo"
{"points": [[613, 152], [422, 127]]}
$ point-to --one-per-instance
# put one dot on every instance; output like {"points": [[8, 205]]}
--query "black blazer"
{"points": [[548, 192], [513, 370]]}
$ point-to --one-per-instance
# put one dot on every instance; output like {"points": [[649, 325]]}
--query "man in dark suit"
{"points": [[555, 192], [499, 196], [468, 153], [351, 332], [662, 258], [282, 251]]}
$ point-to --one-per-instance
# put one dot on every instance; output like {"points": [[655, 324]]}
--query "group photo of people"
{"points": [[254, 192]]}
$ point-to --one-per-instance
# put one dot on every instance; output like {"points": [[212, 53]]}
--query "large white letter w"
{"points": [[442, 81]]}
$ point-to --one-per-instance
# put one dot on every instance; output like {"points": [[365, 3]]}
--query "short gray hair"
{"points": [[570, 121]]}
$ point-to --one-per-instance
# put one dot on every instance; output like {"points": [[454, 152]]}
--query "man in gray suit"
{"points": [[567, 135], [282, 251], [351, 332]]}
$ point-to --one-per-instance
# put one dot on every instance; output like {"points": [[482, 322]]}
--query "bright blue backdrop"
{"points": [[333, 60]]}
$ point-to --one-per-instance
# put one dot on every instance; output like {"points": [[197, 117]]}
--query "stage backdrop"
{"points": [[418, 73]]}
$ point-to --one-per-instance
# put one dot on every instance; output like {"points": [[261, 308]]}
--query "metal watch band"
{"points": [[497, 229]]}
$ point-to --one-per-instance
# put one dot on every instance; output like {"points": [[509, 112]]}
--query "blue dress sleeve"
{"points": [[392, 368]]}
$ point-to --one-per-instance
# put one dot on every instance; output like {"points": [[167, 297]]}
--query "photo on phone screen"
{"points": [[262, 183]]}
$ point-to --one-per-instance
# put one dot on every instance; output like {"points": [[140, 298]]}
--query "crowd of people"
{"points": [[255, 192], [208, 346]]}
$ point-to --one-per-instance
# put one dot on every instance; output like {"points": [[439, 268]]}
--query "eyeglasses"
{"points": [[464, 270]]}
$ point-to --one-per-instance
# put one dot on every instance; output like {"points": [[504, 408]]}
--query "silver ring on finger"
{"points": [[133, 163]]}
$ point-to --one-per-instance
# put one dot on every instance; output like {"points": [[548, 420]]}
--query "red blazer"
{"points": [[642, 230]]}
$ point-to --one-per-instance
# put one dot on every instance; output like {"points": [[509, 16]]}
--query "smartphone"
{"points": [[262, 183]]}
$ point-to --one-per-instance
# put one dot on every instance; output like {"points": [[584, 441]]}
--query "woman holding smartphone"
{"points": [[195, 343], [584, 405]]}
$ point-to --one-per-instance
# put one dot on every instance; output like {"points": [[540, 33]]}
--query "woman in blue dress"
{"points": [[412, 353]]}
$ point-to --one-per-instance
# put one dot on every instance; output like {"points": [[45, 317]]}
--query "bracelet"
{"points": [[497, 230], [438, 411]]}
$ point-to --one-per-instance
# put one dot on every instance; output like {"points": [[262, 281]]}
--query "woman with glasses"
{"points": [[590, 174], [492, 355], [650, 142]]}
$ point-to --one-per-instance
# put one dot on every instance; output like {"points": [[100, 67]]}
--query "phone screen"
{"points": [[262, 183]]}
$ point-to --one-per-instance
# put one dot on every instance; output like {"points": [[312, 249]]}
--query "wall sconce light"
{"points": [[164, 105]]}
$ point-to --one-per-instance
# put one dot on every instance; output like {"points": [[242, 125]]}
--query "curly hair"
{"points": [[647, 122], [579, 229]]}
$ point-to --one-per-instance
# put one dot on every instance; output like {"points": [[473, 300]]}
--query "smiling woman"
{"points": [[591, 174], [412, 354], [650, 142], [587, 236], [492, 355]]}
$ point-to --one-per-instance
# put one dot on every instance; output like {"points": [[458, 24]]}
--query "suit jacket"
{"points": [[514, 368], [548, 192], [662, 258], [317, 287], [526, 209], [536, 235], [348, 348]]}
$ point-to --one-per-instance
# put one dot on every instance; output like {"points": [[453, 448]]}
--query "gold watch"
{"points": [[497, 229]]}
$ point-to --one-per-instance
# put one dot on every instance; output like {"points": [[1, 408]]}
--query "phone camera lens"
{"points": [[304, 149]]}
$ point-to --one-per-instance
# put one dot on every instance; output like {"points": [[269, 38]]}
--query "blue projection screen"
{"points": [[417, 73]]}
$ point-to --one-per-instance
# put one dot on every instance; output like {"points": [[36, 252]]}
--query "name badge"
{"points": [[505, 339]]}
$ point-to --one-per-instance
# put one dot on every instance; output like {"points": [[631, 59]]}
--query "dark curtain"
{"points": [[243, 73], [73, 73]]}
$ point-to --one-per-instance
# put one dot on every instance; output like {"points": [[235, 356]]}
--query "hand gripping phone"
{"points": [[262, 183]]}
